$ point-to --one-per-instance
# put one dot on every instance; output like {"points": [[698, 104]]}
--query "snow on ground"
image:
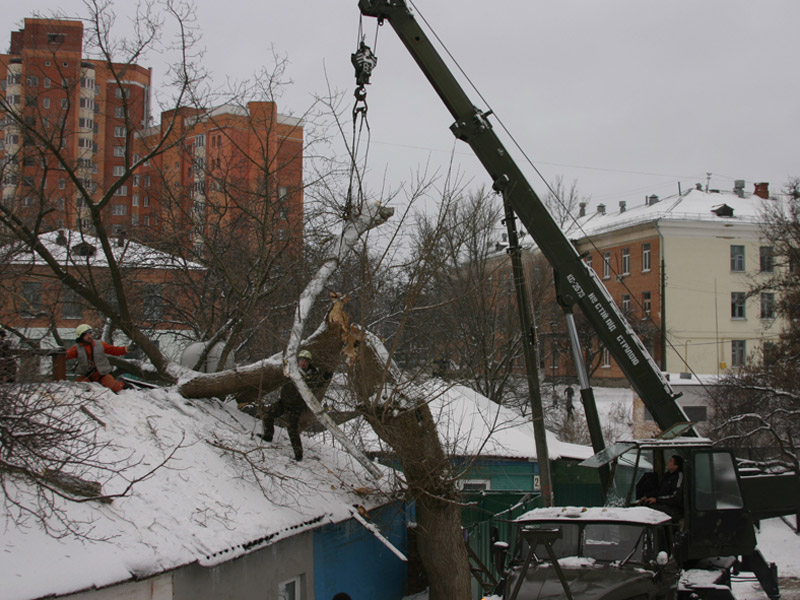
{"points": [[206, 503]]}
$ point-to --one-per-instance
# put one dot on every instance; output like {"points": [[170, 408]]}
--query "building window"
{"points": [[47, 82], [46, 103], [31, 298], [626, 303], [606, 364], [86, 102], [119, 170], [696, 414], [646, 304], [626, 261], [767, 305], [588, 261], [121, 191], [606, 265], [119, 210], [152, 302], [70, 304], [119, 132], [290, 589], [135, 181], [737, 305], [737, 259], [119, 150], [738, 352], [645, 257], [135, 200], [119, 112], [474, 485], [765, 259], [61, 183]]}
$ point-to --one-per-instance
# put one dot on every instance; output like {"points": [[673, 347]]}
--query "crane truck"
{"points": [[721, 502]]}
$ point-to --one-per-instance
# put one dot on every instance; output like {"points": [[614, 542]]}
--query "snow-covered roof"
{"points": [[633, 514], [81, 249], [469, 424], [206, 506], [695, 205]]}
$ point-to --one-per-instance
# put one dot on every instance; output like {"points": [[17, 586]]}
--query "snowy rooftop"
{"points": [[81, 249], [207, 505], [695, 205], [634, 514], [474, 425]]}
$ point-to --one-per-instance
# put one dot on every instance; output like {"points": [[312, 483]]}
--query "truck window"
{"points": [[716, 486]]}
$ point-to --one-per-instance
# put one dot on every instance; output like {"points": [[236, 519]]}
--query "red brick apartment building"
{"points": [[61, 100], [66, 114]]}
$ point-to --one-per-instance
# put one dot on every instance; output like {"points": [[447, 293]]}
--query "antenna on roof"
{"points": [[708, 181]]}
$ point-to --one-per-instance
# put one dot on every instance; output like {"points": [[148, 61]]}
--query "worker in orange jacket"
{"points": [[92, 355]]}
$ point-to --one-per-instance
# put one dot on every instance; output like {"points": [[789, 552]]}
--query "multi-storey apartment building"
{"points": [[63, 117], [682, 266], [232, 171], [72, 127]]}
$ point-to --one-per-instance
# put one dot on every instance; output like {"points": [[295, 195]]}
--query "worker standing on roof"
{"points": [[92, 355], [291, 404]]}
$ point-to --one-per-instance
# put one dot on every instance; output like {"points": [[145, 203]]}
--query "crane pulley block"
{"points": [[364, 61]]}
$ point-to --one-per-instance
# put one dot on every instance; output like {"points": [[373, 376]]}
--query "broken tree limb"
{"points": [[371, 216]]}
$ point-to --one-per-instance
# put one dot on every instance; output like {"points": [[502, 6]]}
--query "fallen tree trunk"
{"points": [[398, 411]]}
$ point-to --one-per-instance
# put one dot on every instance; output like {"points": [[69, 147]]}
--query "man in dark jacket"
{"points": [[668, 496], [291, 405]]}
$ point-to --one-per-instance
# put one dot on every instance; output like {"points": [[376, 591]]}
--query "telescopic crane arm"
{"points": [[576, 283]]}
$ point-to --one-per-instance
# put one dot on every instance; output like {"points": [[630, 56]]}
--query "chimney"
{"points": [[121, 239], [762, 190], [582, 209], [738, 188], [601, 208], [61, 239], [622, 206], [651, 200]]}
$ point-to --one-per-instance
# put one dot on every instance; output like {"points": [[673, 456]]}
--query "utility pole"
{"points": [[528, 326]]}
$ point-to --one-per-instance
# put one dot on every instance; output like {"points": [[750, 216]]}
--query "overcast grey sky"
{"points": [[628, 97]]}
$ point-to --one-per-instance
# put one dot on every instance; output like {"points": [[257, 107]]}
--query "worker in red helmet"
{"points": [[92, 355]]}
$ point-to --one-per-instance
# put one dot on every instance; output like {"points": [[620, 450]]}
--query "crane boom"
{"points": [[576, 282]]}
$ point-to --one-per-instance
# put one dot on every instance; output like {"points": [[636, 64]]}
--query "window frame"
{"points": [[626, 261], [737, 258], [738, 306], [766, 259], [738, 353]]}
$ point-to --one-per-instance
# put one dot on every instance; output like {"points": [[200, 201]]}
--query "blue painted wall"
{"points": [[348, 558]]}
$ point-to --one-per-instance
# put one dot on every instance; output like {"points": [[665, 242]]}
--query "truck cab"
{"points": [[601, 553], [711, 517]]}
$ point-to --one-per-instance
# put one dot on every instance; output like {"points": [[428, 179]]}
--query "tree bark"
{"points": [[252, 381], [397, 410]]}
